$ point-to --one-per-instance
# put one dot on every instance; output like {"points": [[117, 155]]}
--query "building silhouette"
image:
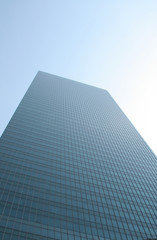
{"points": [[74, 167]]}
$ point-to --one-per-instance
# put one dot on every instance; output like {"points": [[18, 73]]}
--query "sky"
{"points": [[108, 44]]}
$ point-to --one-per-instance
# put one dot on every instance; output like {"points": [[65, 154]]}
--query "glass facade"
{"points": [[72, 166]]}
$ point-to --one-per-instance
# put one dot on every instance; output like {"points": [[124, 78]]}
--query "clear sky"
{"points": [[111, 44]]}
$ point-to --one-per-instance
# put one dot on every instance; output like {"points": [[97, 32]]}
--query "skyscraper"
{"points": [[74, 167]]}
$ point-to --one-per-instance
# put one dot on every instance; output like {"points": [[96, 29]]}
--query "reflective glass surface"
{"points": [[72, 166]]}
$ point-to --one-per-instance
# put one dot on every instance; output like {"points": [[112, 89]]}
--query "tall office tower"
{"points": [[74, 167]]}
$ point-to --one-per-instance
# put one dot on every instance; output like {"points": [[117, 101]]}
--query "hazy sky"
{"points": [[106, 43]]}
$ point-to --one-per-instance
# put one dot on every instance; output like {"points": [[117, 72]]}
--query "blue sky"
{"points": [[108, 44]]}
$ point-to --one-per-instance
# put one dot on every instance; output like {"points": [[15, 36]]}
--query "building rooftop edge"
{"points": [[42, 72]]}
